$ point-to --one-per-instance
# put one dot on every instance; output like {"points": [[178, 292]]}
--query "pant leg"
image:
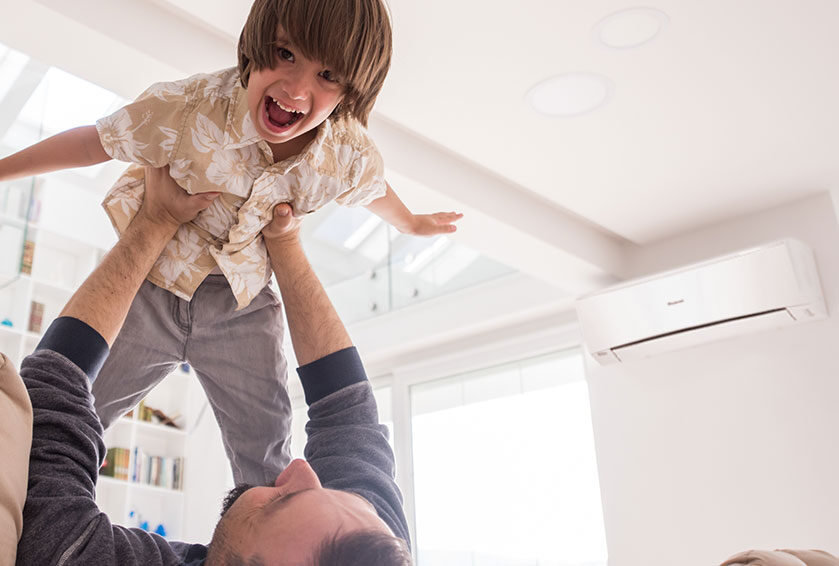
{"points": [[148, 347], [238, 357]]}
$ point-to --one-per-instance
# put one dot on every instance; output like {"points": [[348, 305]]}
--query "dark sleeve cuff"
{"points": [[77, 342], [331, 373]]}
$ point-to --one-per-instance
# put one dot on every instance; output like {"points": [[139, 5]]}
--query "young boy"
{"points": [[285, 126]]}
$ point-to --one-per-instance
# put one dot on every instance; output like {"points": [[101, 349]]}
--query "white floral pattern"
{"points": [[201, 128]]}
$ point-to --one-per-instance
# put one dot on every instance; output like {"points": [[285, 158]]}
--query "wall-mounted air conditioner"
{"points": [[761, 288]]}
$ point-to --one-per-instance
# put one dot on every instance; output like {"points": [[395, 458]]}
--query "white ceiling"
{"points": [[731, 109]]}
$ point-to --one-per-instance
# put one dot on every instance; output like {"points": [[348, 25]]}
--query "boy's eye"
{"points": [[329, 76], [285, 54]]}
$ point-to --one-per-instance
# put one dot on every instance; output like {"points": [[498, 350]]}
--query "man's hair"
{"points": [[358, 548], [352, 38], [363, 548]]}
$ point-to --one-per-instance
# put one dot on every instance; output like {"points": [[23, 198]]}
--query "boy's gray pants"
{"points": [[237, 356]]}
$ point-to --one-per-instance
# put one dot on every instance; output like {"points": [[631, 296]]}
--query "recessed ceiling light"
{"points": [[632, 27], [570, 94]]}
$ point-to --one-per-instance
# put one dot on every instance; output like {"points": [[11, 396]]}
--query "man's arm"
{"points": [[61, 521], [347, 446], [315, 328], [78, 147]]}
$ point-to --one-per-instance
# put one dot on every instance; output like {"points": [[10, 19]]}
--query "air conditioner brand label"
{"points": [[677, 302]]}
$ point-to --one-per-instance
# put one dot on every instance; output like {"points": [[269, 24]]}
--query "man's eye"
{"points": [[285, 54]]}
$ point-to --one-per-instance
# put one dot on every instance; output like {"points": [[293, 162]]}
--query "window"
{"points": [[504, 467]]}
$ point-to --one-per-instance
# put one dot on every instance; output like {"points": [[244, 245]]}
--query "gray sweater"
{"points": [[347, 448]]}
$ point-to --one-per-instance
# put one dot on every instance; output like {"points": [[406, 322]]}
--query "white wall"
{"points": [[727, 446]]}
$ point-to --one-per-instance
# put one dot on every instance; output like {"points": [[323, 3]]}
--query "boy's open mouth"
{"points": [[279, 116]]}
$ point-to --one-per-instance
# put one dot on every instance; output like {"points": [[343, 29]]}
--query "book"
{"points": [[36, 317], [28, 257]]}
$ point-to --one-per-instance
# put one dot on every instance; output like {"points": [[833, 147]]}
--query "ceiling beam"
{"points": [[17, 96], [516, 226]]}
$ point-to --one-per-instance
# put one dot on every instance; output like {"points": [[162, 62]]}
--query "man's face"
{"points": [[287, 523], [292, 98]]}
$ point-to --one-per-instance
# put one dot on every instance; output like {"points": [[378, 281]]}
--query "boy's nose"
{"points": [[295, 85]]}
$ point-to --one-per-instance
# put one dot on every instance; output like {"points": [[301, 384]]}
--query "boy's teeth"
{"points": [[293, 111]]}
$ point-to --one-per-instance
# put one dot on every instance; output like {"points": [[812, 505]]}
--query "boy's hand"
{"points": [[433, 224], [284, 226], [165, 201]]}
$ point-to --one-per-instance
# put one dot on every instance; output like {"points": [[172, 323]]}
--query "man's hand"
{"points": [[284, 227], [433, 224], [166, 202], [104, 298]]}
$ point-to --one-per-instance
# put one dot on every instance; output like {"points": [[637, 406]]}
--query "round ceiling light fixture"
{"points": [[629, 28], [570, 94]]}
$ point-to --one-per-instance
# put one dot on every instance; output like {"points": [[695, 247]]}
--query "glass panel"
{"points": [[36, 102], [18, 76], [506, 474], [369, 268]]}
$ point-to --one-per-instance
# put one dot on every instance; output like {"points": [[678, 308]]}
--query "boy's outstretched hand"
{"points": [[283, 225], [433, 224]]}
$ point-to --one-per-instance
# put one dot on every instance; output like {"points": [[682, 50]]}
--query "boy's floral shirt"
{"points": [[201, 128]]}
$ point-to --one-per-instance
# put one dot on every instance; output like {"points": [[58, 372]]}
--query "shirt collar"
{"points": [[239, 130]]}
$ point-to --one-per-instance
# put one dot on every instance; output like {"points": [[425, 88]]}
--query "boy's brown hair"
{"points": [[352, 38]]}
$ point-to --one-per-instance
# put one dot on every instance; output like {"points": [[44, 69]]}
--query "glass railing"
{"points": [[367, 267]]}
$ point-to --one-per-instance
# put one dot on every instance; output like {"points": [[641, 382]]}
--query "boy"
{"points": [[285, 126]]}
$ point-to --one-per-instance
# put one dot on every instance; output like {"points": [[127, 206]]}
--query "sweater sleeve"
{"points": [[61, 522], [346, 446]]}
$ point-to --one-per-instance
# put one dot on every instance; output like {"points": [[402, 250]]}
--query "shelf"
{"points": [[154, 427], [108, 480], [13, 221], [11, 330], [52, 286], [66, 238]]}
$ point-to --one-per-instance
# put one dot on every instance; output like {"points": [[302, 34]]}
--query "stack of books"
{"points": [[161, 471]]}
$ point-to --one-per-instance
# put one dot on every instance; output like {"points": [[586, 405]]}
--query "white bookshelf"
{"points": [[134, 501], [59, 263]]}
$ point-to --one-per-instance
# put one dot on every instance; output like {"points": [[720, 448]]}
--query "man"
{"points": [[341, 507]]}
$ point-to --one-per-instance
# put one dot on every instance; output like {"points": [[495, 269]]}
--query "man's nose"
{"points": [[297, 476]]}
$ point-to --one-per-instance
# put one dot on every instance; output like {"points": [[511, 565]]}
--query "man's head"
{"points": [[313, 58], [298, 522]]}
